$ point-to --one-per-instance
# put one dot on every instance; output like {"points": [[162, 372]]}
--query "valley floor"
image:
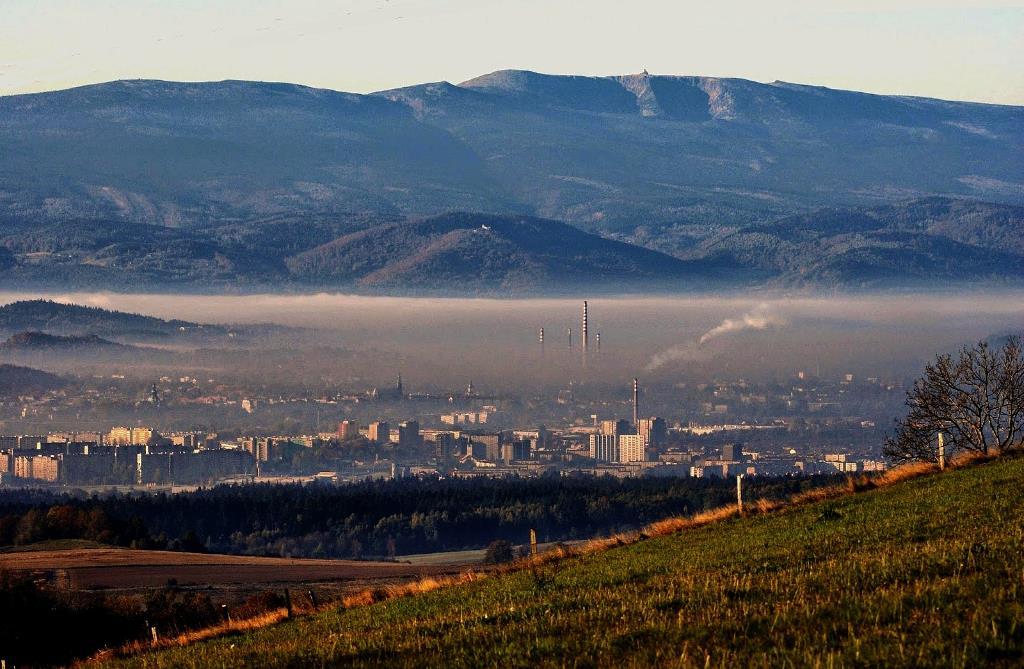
{"points": [[929, 572]]}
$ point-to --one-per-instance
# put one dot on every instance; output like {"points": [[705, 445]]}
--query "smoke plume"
{"points": [[755, 320], [688, 352], [758, 319]]}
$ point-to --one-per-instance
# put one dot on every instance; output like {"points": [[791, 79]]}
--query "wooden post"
{"points": [[153, 633], [288, 602], [312, 598], [739, 493], [942, 451], [533, 542]]}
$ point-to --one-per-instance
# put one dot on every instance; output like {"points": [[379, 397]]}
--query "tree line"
{"points": [[373, 518]]}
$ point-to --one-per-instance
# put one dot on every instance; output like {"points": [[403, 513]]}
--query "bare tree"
{"points": [[976, 400]]}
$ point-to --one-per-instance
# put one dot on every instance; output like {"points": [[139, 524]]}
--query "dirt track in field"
{"points": [[102, 568]]}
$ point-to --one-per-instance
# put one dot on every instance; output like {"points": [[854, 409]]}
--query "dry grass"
{"points": [[427, 584], [229, 627], [193, 636]]}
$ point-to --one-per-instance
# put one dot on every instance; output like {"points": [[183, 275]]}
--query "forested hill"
{"points": [[921, 242], [475, 251], [929, 242], [16, 380], [62, 319], [40, 341]]}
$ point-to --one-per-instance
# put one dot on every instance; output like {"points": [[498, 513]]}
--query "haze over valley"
{"points": [[441, 344]]}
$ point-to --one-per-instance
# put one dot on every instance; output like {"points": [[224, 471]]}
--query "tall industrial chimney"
{"points": [[636, 405], [586, 337], [540, 338], [569, 331], [598, 338]]}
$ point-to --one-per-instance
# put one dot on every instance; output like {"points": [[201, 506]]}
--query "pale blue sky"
{"points": [[957, 49]]}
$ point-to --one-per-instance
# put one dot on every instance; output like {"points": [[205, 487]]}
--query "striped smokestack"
{"points": [[636, 404], [586, 337]]}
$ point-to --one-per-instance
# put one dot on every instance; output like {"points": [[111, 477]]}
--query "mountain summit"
{"points": [[602, 152]]}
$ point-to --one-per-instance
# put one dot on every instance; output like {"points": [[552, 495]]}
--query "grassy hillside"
{"points": [[923, 573]]}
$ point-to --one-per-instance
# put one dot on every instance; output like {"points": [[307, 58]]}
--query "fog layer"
{"points": [[438, 343]]}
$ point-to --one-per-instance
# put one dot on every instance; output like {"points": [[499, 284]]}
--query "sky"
{"points": [[953, 49]]}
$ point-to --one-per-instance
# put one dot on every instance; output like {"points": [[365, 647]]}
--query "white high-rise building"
{"points": [[604, 447]]}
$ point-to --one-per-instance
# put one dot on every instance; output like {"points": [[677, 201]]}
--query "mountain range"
{"points": [[145, 184]]}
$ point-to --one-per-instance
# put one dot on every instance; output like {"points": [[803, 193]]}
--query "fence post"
{"points": [[533, 541], [153, 633], [942, 451], [312, 598], [288, 602], [739, 493]]}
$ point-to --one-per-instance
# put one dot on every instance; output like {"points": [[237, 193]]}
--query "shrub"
{"points": [[499, 552]]}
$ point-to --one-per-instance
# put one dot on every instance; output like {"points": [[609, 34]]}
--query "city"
{"points": [[807, 425]]}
